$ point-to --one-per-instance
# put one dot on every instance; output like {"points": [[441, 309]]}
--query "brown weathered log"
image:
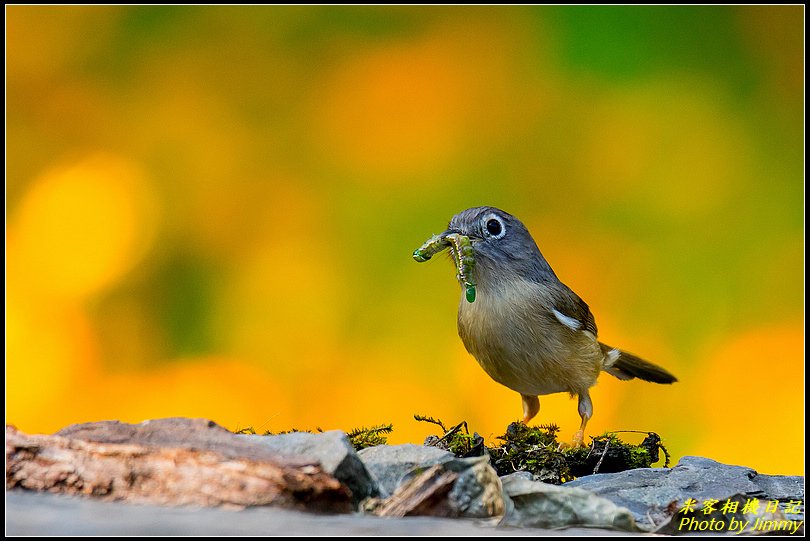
{"points": [[169, 461]]}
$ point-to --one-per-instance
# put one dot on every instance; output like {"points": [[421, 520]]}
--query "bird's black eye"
{"points": [[494, 227]]}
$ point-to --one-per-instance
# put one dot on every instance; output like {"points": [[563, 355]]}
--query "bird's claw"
{"points": [[576, 442]]}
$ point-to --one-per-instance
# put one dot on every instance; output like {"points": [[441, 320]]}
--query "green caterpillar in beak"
{"points": [[463, 256]]}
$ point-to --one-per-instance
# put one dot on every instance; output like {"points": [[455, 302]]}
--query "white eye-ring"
{"points": [[493, 226]]}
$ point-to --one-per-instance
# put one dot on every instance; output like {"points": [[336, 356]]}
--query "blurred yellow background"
{"points": [[211, 212]]}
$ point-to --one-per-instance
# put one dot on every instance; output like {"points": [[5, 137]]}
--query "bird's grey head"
{"points": [[502, 245]]}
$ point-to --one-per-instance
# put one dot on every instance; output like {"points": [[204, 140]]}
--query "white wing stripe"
{"points": [[569, 322]]}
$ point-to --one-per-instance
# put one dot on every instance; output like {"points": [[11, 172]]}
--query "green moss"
{"points": [[317, 430], [251, 430], [639, 458], [427, 419], [361, 438], [457, 439], [535, 449]]}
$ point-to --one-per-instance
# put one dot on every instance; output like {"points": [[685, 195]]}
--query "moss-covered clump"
{"points": [[535, 449], [457, 439], [608, 454]]}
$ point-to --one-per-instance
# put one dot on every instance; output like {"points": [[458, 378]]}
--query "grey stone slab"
{"points": [[389, 464], [647, 492], [534, 503], [331, 449]]}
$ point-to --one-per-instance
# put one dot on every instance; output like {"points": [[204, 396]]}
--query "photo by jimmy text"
{"points": [[741, 515]]}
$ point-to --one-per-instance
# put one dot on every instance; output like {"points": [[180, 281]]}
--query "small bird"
{"points": [[528, 330]]}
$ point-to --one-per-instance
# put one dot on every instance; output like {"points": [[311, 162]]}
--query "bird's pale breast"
{"points": [[511, 332]]}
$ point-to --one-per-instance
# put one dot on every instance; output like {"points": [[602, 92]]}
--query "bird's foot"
{"points": [[576, 442], [531, 405]]}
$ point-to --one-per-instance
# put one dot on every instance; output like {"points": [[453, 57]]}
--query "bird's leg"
{"points": [[531, 405], [585, 412]]}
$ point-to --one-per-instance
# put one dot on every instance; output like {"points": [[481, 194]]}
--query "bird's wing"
{"points": [[573, 312]]}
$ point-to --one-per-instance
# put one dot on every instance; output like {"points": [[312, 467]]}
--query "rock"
{"points": [[331, 449], [388, 464], [167, 461], [41, 514], [194, 461], [648, 492], [425, 494], [477, 492], [459, 487], [543, 505]]}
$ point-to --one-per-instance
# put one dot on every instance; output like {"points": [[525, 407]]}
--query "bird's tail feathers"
{"points": [[624, 365]]}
